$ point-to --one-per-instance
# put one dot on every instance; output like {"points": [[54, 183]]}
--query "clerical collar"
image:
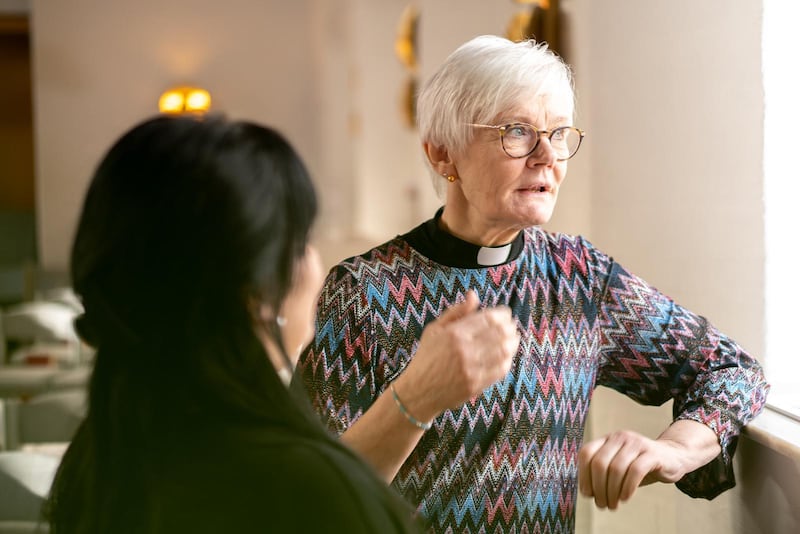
{"points": [[442, 247]]}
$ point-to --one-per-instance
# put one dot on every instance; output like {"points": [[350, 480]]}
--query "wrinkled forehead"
{"points": [[561, 103], [540, 108]]}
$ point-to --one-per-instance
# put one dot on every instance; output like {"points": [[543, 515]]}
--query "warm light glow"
{"points": [[198, 100], [171, 102], [185, 100]]}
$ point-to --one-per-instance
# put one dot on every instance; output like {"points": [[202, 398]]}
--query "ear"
{"points": [[439, 158]]}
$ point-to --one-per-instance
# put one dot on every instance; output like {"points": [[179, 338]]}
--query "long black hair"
{"points": [[186, 223]]}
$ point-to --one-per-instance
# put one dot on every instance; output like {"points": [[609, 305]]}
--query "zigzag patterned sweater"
{"points": [[506, 462]]}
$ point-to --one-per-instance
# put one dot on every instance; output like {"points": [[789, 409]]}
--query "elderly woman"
{"points": [[460, 358]]}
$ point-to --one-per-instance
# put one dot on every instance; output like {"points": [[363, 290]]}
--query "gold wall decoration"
{"points": [[405, 45], [405, 48], [541, 20]]}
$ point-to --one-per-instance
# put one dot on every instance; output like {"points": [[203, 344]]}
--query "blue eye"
{"points": [[518, 131]]}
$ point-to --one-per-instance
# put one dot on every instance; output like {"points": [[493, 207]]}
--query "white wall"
{"points": [[99, 67], [676, 111], [673, 104]]}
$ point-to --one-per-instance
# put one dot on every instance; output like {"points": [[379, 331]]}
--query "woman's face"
{"points": [[300, 306], [494, 195], [296, 317]]}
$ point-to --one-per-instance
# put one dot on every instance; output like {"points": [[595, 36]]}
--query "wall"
{"points": [[16, 134], [767, 500], [100, 66], [674, 110], [17, 229]]}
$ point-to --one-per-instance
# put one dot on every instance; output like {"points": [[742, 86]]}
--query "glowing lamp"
{"points": [[185, 100]]}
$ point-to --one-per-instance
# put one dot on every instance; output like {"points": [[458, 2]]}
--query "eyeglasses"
{"points": [[519, 139]]}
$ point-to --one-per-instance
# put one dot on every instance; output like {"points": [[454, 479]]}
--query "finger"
{"points": [[511, 345], [461, 309], [599, 469], [495, 331], [502, 356], [492, 328], [618, 473], [636, 475], [500, 313], [585, 456]]}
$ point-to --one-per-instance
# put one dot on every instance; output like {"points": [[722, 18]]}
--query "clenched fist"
{"points": [[459, 355]]}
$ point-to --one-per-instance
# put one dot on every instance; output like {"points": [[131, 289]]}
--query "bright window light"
{"points": [[780, 41]]}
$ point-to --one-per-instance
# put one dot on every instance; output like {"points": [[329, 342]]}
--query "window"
{"points": [[780, 40]]}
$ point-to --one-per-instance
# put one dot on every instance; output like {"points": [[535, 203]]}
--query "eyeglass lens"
{"points": [[519, 140]]}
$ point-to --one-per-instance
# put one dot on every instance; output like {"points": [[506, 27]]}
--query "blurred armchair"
{"points": [[42, 323], [48, 418], [25, 480]]}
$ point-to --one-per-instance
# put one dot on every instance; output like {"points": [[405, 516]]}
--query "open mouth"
{"points": [[537, 189]]}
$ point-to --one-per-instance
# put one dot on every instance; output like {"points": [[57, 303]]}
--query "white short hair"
{"points": [[481, 79]]}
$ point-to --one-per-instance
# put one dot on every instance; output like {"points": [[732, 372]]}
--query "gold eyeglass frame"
{"points": [[549, 133]]}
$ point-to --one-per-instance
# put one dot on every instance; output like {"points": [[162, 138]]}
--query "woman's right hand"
{"points": [[460, 354]]}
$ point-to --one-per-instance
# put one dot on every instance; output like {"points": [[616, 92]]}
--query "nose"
{"points": [[544, 153]]}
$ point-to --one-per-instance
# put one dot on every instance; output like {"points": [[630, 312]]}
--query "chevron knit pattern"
{"points": [[506, 462]]}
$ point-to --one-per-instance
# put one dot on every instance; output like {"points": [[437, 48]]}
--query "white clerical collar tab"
{"points": [[494, 255]]}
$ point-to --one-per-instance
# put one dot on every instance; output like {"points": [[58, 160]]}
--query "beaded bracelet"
{"points": [[413, 420]]}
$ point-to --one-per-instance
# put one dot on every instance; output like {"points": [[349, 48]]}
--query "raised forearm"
{"points": [[459, 355], [383, 436]]}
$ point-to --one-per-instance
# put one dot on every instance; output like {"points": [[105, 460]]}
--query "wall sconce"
{"points": [[184, 100], [406, 50], [542, 21]]}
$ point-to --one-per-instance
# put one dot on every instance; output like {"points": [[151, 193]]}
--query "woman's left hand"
{"points": [[611, 468]]}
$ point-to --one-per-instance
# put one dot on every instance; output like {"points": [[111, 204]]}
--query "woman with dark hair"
{"points": [[193, 265]]}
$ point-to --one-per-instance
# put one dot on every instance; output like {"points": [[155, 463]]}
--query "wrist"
{"points": [[695, 443], [410, 405], [422, 425]]}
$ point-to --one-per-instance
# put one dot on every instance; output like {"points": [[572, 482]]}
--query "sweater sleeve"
{"points": [[654, 350], [336, 367]]}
